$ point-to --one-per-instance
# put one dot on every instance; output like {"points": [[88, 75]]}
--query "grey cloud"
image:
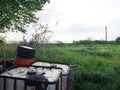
{"points": [[78, 28], [111, 3], [112, 26], [47, 14]]}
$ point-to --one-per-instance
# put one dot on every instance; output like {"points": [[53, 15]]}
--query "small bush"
{"points": [[117, 40]]}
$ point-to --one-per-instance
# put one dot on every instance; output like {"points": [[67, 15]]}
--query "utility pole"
{"points": [[106, 33]]}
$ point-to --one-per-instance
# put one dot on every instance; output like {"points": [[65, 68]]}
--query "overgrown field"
{"points": [[95, 66]]}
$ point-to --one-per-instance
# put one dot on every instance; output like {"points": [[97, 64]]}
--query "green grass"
{"points": [[95, 66]]}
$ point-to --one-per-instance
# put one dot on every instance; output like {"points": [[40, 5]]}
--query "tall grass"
{"points": [[95, 66], [10, 51]]}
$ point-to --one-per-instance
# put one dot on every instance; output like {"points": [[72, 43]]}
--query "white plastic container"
{"points": [[65, 71], [20, 73]]}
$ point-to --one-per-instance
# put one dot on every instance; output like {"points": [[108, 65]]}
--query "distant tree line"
{"points": [[116, 41]]}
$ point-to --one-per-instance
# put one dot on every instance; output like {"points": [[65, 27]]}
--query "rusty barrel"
{"points": [[25, 55]]}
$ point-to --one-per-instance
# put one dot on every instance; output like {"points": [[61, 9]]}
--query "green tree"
{"points": [[15, 14], [117, 40]]}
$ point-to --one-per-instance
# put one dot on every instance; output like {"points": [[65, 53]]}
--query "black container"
{"points": [[25, 55], [25, 52]]}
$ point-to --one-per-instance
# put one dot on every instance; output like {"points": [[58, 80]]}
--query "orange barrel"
{"points": [[25, 55]]}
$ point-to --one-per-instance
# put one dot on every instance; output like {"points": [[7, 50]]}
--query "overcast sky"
{"points": [[82, 19]]}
